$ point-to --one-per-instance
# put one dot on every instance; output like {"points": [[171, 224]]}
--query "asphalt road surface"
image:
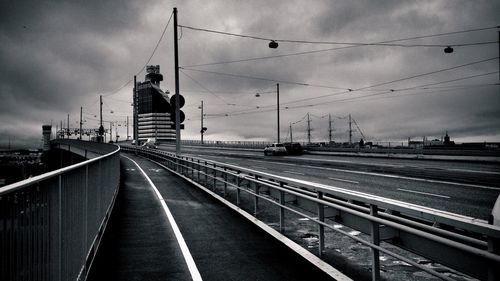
{"points": [[466, 188]]}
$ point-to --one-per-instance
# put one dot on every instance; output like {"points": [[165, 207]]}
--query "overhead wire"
{"points": [[147, 62], [333, 42]]}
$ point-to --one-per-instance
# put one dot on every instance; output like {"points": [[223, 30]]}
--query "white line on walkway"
{"points": [[404, 178], [195, 274], [319, 263], [349, 181], [424, 193], [292, 172]]}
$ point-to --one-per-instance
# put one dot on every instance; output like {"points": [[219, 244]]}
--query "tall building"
{"points": [[152, 109], [46, 132]]}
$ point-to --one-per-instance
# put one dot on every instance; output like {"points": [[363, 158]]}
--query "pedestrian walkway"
{"points": [[140, 244]]}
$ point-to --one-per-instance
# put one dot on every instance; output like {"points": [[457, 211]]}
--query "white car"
{"points": [[275, 149], [150, 143]]}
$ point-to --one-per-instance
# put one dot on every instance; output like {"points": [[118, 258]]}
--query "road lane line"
{"points": [[292, 172], [424, 193], [404, 178], [310, 257], [260, 167], [195, 274], [349, 181]]}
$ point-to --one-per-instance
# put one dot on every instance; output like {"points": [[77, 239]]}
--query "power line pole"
{"points": [[308, 129], [291, 136], [201, 129], [278, 107], [127, 129], [350, 129], [136, 118], [177, 100], [110, 131], [68, 126], [81, 110], [330, 127]]}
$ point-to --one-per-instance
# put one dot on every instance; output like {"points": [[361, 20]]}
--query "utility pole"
{"points": [[127, 129], [68, 126], [291, 136], [177, 100], [308, 129], [101, 127], [350, 129], [136, 118], [61, 132], [201, 129], [110, 131], [81, 111], [330, 128], [278, 107]]}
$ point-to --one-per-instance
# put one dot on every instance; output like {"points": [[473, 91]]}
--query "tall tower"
{"points": [[46, 132]]}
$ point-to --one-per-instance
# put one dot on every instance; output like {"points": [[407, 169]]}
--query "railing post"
{"points": [[282, 210], [225, 181], [199, 169], [192, 168], [206, 174], [321, 228], [375, 239], [256, 201], [59, 242], [493, 271], [215, 177]]}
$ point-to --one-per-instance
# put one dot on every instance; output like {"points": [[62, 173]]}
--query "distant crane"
{"points": [[359, 129]]}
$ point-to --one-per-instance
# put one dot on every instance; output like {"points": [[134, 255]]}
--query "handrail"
{"points": [[422, 230], [20, 184], [54, 222]]}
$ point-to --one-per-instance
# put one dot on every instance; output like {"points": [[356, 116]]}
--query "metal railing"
{"points": [[51, 224], [464, 244]]}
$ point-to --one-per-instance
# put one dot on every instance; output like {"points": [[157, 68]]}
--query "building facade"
{"points": [[152, 118]]}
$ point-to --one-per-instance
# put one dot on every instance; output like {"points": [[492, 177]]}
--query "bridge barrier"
{"points": [[467, 245], [51, 224]]}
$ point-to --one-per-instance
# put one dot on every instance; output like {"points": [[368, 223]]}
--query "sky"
{"points": [[58, 56]]}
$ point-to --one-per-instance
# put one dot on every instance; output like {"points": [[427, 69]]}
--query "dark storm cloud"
{"points": [[56, 56]]}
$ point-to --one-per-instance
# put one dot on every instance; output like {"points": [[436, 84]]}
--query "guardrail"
{"points": [[51, 224], [464, 244]]}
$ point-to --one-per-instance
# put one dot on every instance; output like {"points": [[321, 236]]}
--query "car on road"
{"points": [[150, 143], [293, 148], [275, 149]]}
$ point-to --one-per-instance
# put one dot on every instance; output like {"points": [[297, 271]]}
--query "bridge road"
{"points": [[139, 243]]}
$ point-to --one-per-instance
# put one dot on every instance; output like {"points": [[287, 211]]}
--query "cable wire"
{"points": [[335, 43], [147, 62]]}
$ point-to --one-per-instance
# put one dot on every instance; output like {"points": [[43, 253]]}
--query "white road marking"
{"points": [[349, 181], [292, 172], [473, 171], [260, 167], [404, 178], [195, 274], [424, 193]]}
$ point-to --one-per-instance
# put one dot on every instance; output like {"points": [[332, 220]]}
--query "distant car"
{"points": [[275, 149], [293, 148], [134, 142], [150, 143]]}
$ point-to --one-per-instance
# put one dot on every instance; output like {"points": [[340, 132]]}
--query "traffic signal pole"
{"points": [[201, 129], [177, 102]]}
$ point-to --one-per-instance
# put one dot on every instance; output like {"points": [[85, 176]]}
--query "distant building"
{"points": [[152, 109], [46, 132]]}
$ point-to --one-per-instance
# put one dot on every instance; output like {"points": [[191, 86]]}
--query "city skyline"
{"points": [[59, 56]]}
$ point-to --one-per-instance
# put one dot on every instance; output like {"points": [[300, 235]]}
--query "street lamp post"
{"points": [[278, 108]]}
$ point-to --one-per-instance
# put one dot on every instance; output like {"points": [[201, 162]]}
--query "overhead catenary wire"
{"points": [[370, 86], [333, 42], [147, 62], [364, 97]]}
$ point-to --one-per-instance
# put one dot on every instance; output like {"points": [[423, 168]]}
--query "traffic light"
{"points": [[203, 130], [173, 104]]}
